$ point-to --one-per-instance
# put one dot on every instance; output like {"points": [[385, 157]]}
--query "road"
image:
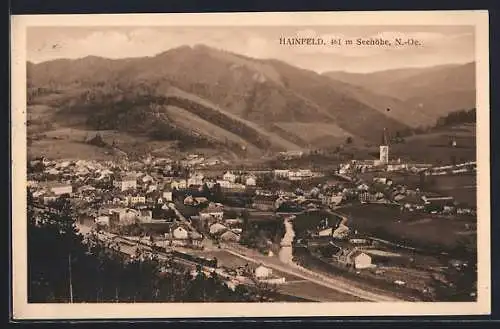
{"points": [[339, 285]]}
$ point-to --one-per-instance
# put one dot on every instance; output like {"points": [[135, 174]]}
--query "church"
{"points": [[383, 162], [384, 150]]}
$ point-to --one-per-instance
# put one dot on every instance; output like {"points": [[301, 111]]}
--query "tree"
{"points": [[349, 140], [459, 283]]}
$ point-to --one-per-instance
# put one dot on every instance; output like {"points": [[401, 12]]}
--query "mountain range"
{"points": [[220, 99]]}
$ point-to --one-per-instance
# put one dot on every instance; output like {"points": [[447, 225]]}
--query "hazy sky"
{"points": [[440, 44]]}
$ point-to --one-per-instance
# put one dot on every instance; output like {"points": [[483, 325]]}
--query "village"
{"points": [[179, 206]]}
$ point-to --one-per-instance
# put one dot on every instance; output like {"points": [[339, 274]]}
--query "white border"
{"points": [[23, 310]]}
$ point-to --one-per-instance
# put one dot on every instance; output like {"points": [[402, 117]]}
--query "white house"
{"points": [[361, 260], [60, 189], [196, 179], [125, 183], [305, 172], [262, 272], [281, 173], [230, 177], [167, 196], [123, 216], [135, 199], [178, 184], [250, 181], [180, 233], [396, 166]]}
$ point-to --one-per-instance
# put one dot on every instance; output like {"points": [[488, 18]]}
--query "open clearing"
{"points": [[312, 132], [385, 222]]}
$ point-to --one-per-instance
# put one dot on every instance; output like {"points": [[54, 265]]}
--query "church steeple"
{"points": [[385, 140], [384, 149]]}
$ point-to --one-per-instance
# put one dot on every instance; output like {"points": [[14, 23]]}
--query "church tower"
{"points": [[384, 149]]}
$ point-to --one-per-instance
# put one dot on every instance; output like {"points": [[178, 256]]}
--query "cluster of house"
{"points": [[199, 160], [243, 275], [292, 154], [382, 190], [88, 180], [343, 253], [294, 174], [189, 160], [461, 168], [362, 166], [220, 228], [229, 181]]}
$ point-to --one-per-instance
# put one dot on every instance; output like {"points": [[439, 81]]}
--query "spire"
{"points": [[384, 137]]}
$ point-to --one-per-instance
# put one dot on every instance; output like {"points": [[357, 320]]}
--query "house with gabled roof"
{"points": [[212, 211], [229, 177], [125, 182]]}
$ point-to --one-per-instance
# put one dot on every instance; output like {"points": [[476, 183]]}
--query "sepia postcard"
{"points": [[250, 165]]}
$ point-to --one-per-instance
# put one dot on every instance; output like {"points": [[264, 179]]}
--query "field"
{"points": [[462, 187], [388, 223], [69, 143], [435, 147], [314, 132], [430, 147], [63, 149]]}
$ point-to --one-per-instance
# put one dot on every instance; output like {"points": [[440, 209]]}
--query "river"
{"points": [[285, 253]]}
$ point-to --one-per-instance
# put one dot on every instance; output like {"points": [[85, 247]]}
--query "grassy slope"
{"points": [[208, 111], [190, 122]]}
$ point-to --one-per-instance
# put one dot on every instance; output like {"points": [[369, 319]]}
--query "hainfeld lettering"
{"points": [[372, 42], [302, 41]]}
